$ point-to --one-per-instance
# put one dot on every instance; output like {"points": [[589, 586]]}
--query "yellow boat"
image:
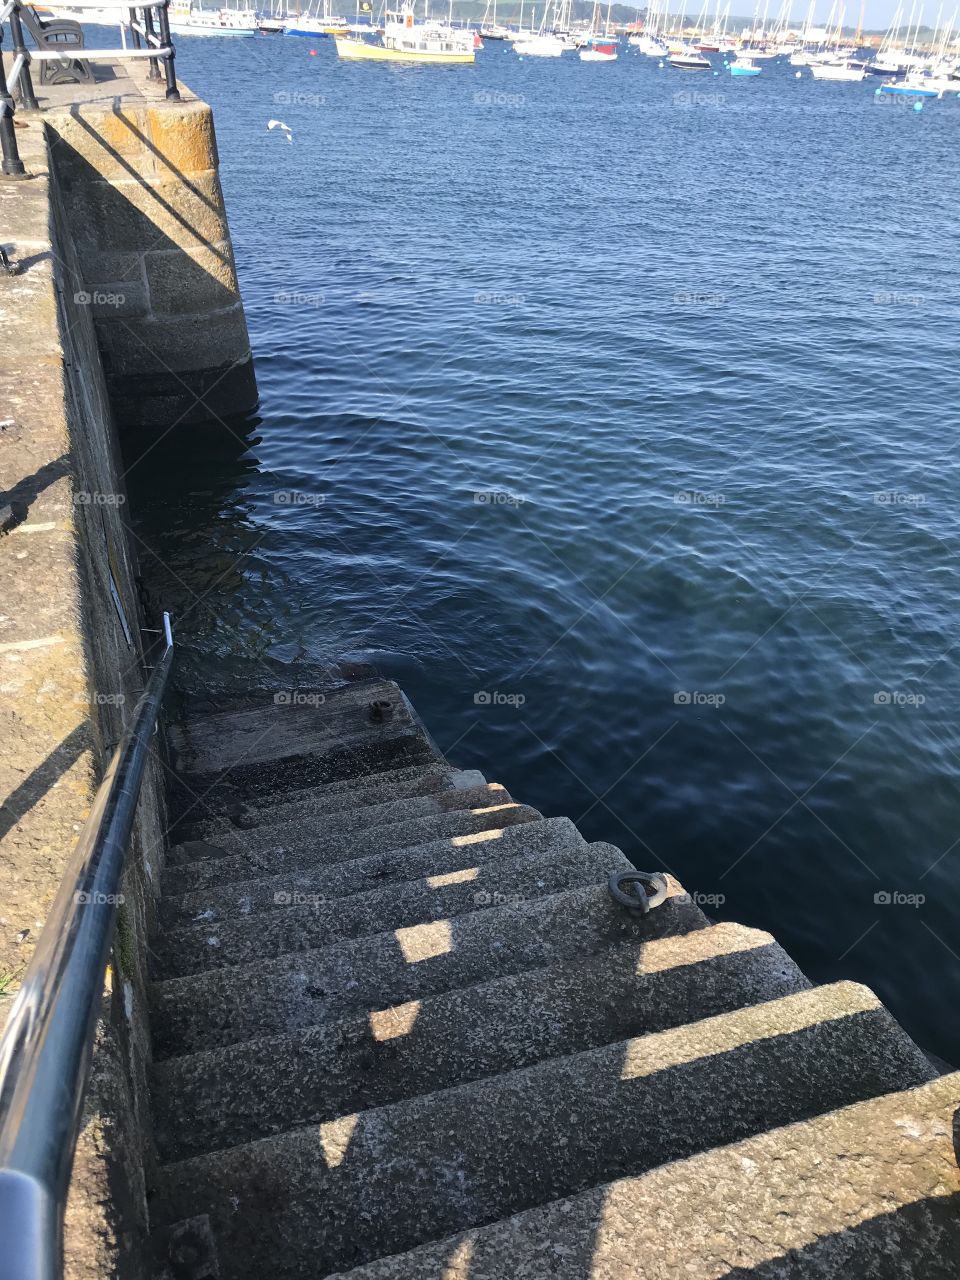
{"points": [[405, 40]]}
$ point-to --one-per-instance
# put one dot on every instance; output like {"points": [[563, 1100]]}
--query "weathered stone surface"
{"points": [[223, 1097], [291, 723], [182, 137], [301, 831], [69, 676], [310, 987], [868, 1192], [140, 174], [344, 879], [346, 846], [246, 939], [469, 1155], [397, 784], [184, 282]]}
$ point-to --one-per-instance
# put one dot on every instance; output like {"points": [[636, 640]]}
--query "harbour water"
{"points": [[611, 410]]}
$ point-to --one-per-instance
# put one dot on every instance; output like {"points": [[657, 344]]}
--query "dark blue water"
{"points": [[630, 394]]}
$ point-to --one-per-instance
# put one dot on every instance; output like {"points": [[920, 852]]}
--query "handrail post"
{"points": [[173, 93], [11, 165], [154, 72], [27, 96], [134, 33]]}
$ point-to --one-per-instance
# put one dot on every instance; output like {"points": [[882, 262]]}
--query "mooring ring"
{"points": [[649, 889]]}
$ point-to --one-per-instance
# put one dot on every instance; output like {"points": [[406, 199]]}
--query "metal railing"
{"points": [[46, 1048], [148, 41]]}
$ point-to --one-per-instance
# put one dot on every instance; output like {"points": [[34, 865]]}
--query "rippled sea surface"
{"points": [[629, 399]]}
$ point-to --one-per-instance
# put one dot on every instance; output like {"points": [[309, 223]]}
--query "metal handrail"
{"points": [[159, 49], [47, 1045]]}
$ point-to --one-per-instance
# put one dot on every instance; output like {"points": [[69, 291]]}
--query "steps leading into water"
{"points": [[400, 1025]]}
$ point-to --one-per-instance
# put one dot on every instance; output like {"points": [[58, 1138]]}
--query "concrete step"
{"points": [[307, 828], [344, 847], [372, 789], [225, 1006], [289, 723], [365, 1185], [208, 796], [224, 1097], [870, 1190], [247, 939], [318, 885]]}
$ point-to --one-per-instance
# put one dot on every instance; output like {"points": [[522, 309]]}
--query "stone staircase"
{"points": [[402, 1031]]}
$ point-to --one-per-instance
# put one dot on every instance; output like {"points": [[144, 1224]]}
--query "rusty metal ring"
{"points": [[649, 889]]}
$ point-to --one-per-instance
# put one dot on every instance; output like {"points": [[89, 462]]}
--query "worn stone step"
{"points": [[385, 1180], [869, 1191], [344, 879], [372, 789], [303, 926], [343, 847], [207, 796], [308, 828], [224, 1097], [290, 723], [229, 1005]]}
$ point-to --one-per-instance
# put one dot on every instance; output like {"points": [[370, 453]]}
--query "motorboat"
{"points": [[844, 69], [687, 58], [599, 53], [742, 66], [192, 20], [406, 40]]}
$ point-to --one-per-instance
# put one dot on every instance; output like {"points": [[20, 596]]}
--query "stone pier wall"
{"points": [[140, 186], [72, 664]]}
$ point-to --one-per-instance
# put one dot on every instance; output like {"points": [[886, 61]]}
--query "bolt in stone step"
{"points": [[345, 879], [306, 926], [289, 724], [286, 806], [307, 829], [867, 1191], [378, 1182], [223, 1097], [229, 1005], [343, 847]]}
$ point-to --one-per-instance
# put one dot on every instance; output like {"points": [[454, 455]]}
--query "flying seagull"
{"points": [[278, 124]]}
